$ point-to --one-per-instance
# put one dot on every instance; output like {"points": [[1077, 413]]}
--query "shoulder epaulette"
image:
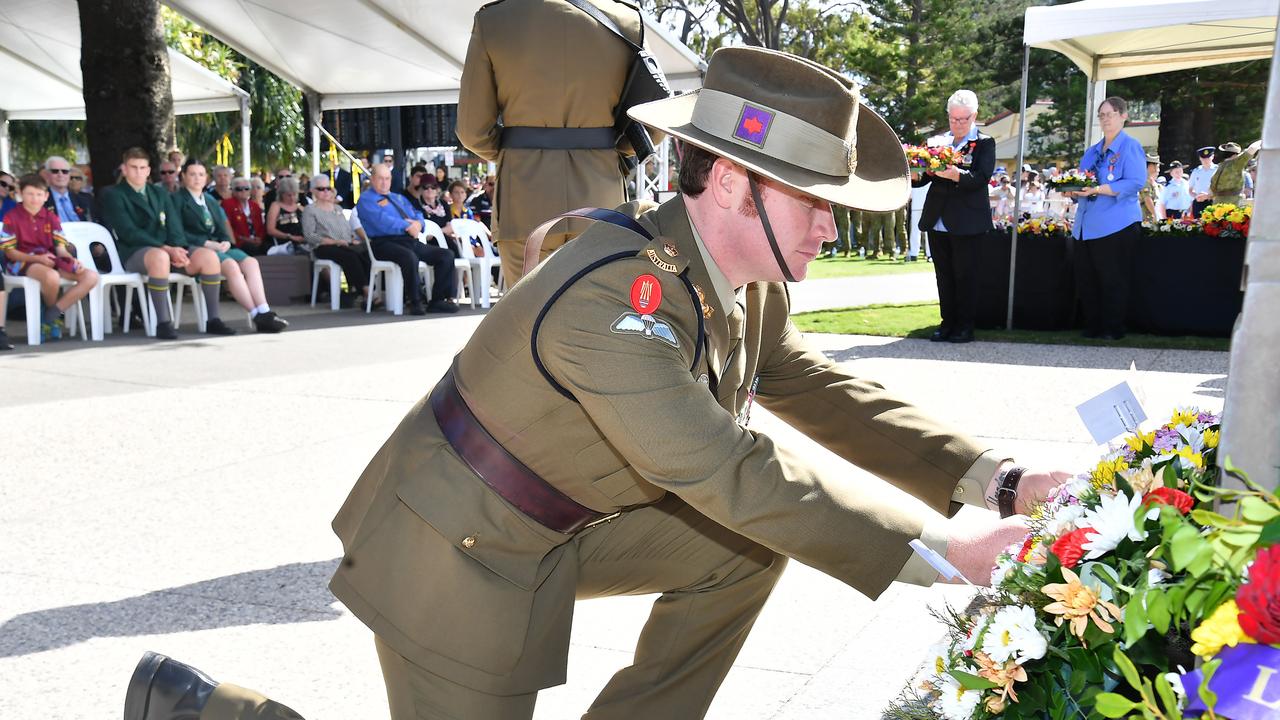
{"points": [[664, 256]]}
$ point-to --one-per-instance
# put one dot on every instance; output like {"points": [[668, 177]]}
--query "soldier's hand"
{"points": [[974, 539], [1254, 148]]}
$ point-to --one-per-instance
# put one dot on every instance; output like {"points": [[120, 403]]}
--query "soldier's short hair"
{"points": [[695, 166]]}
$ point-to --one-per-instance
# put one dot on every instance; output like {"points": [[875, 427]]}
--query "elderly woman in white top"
{"points": [[328, 235]]}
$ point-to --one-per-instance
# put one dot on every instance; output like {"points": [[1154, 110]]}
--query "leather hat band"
{"points": [[773, 132]]}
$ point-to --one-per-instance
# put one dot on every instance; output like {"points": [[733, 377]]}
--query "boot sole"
{"points": [[138, 695]]}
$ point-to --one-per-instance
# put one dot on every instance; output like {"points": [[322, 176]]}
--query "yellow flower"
{"points": [[1211, 438], [1184, 416], [1137, 442], [1220, 628], [1079, 604], [1105, 473], [1195, 458], [1003, 674]]}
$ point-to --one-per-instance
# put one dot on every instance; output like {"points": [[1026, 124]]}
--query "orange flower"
{"points": [[1004, 674], [1079, 604]]}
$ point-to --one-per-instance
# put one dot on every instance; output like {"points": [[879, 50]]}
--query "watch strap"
{"points": [[1007, 490]]}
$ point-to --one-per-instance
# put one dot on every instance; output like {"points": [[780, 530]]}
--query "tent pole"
{"points": [[1017, 198], [1250, 423], [244, 135], [5, 149], [314, 118], [1097, 91]]}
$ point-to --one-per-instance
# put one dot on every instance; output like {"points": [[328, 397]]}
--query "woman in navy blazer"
{"points": [[956, 214], [1108, 221]]}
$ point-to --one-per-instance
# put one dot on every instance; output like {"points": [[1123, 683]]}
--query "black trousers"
{"points": [[1198, 206], [955, 263], [1104, 270], [355, 263], [406, 252]]}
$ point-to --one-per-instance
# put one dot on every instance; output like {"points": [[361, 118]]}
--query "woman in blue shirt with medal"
{"points": [[1108, 219]]}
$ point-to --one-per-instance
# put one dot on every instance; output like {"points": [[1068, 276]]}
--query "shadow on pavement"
{"points": [[292, 593]]}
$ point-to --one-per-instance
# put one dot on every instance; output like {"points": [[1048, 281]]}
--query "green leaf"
{"points": [[1207, 696], [1167, 698], [1244, 536], [1170, 474], [1158, 610], [1177, 599], [1112, 705], [1203, 559], [1135, 619], [969, 681], [1257, 510], [1270, 533], [1183, 546], [1125, 665], [1195, 602], [1209, 517]]}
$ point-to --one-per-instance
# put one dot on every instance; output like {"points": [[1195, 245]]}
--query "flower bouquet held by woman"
{"points": [[1127, 576], [1073, 181], [932, 158]]}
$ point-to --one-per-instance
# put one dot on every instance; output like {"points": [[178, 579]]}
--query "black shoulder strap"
{"points": [[626, 222], [602, 18]]}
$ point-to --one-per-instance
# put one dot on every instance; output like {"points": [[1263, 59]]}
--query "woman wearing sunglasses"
{"points": [[8, 188], [248, 226]]}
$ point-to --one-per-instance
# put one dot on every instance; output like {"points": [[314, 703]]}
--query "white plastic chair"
{"points": [[465, 231], [335, 280], [31, 296], [384, 273], [461, 267], [82, 236]]}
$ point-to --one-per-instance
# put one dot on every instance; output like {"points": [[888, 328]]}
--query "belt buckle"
{"points": [[602, 520]]}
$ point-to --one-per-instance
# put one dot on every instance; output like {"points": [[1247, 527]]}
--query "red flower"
{"points": [[1170, 496], [1211, 230], [1259, 599], [1068, 549]]}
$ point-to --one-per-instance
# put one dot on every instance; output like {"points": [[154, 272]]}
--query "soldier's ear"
{"points": [[726, 181]]}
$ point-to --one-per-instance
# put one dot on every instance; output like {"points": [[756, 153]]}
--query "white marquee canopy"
{"points": [[377, 53]]}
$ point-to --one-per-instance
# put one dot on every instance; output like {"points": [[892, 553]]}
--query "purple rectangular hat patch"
{"points": [[753, 125]]}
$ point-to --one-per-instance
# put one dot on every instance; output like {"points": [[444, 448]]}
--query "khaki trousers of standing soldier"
{"points": [[713, 583]]}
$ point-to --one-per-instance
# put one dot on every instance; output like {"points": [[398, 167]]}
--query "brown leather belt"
{"points": [[502, 472]]}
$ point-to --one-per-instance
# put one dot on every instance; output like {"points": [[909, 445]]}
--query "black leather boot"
{"points": [[164, 689]]}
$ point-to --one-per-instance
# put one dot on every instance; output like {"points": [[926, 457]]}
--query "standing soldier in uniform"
{"points": [[1149, 195], [900, 233], [593, 437], [1199, 181], [539, 88], [1228, 181]]}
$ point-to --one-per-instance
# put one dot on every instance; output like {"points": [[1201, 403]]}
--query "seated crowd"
{"points": [[211, 225]]}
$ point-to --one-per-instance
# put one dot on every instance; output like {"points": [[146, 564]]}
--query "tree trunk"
{"points": [[128, 95], [1176, 136]]}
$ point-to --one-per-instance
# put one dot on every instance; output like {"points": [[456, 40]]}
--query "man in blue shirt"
{"points": [[70, 207], [393, 226]]}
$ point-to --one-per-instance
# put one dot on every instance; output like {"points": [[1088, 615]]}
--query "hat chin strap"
{"points": [[768, 229]]}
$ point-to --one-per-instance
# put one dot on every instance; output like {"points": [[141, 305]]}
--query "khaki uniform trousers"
{"points": [[713, 583]]}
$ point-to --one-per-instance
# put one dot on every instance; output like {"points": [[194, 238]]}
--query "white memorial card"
{"points": [[1112, 413]]}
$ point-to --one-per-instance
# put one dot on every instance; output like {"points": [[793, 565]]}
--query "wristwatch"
{"points": [[1007, 490]]}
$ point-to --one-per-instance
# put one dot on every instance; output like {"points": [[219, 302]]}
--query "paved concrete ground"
{"points": [[176, 497]]}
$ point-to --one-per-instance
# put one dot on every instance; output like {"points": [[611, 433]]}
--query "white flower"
{"points": [[937, 661], [1156, 577], [1000, 572], [1013, 634], [954, 702], [1063, 520], [1175, 684], [1111, 522]]}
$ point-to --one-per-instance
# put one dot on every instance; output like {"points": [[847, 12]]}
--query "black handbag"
{"points": [[645, 83]]}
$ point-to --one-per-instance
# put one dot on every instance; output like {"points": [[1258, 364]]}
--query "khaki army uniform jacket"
{"points": [[546, 64], [468, 587]]}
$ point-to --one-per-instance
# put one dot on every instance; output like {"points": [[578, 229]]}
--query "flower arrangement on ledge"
{"points": [[1127, 576], [1045, 227], [1174, 227], [1072, 180], [1226, 220], [931, 158]]}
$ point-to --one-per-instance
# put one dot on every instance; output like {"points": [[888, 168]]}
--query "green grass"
{"points": [[918, 320], [838, 267]]}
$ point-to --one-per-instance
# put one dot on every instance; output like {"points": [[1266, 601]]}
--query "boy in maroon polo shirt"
{"points": [[34, 246]]}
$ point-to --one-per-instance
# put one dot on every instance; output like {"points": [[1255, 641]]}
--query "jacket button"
{"points": [[469, 541]]}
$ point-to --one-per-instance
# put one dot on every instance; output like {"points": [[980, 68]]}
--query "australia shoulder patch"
{"points": [[665, 256], [645, 299]]}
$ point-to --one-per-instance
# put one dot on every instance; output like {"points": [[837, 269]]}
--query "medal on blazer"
{"points": [[646, 298], [967, 158]]}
